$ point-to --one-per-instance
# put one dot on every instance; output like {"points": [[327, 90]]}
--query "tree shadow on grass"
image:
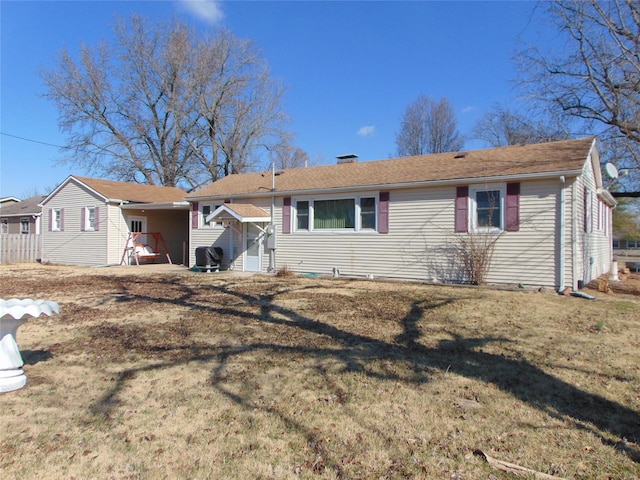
{"points": [[31, 357], [460, 355]]}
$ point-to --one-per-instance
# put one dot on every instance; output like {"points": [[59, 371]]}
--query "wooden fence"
{"points": [[19, 248]]}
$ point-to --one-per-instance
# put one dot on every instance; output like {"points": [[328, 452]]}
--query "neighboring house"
{"points": [[87, 221], [4, 201], [21, 216], [405, 218]]}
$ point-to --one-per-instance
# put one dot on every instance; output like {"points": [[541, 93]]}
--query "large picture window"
{"points": [[336, 214]]}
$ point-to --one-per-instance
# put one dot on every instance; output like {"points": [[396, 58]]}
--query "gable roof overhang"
{"points": [[239, 212]]}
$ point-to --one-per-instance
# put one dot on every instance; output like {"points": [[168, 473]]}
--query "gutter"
{"points": [[156, 206]]}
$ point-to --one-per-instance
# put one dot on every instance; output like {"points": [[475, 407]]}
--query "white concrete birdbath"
{"points": [[14, 313]]}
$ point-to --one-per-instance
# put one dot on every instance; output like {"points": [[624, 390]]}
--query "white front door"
{"points": [[253, 248], [136, 225]]}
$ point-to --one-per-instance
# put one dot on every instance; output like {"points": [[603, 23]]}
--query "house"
{"points": [[21, 216], [544, 206], [88, 221], [4, 201]]}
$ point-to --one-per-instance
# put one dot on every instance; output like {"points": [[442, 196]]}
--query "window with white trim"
{"points": [[487, 208], [25, 225], [302, 215], [4, 226], [207, 209], [336, 214], [56, 220], [89, 219]]}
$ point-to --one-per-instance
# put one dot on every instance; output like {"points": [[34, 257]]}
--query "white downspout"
{"points": [[574, 233], [562, 234]]}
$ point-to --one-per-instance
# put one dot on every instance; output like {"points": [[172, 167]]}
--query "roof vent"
{"points": [[349, 158], [461, 155]]}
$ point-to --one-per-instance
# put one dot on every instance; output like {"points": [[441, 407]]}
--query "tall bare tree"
{"points": [[594, 75], [164, 106], [428, 126], [286, 155], [501, 126]]}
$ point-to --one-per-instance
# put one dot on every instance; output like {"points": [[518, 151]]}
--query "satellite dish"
{"points": [[611, 170]]}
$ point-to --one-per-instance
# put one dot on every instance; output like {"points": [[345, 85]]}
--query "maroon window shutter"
{"points": [[383, 213], [51, 219], [194, 215], [83, 216], [513, 207], [462, 209], [96, 219], [286, 215], [62, 219]]}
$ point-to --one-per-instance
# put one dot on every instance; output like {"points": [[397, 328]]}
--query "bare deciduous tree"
{"points": [[428, 126], [285, 155], [164, 106], [594, 76], [501, 127]]}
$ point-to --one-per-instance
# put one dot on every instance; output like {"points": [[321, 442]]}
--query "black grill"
{"points": [[209, 257]]}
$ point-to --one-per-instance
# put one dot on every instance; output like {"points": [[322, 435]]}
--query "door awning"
{"points": [[239, 212]]}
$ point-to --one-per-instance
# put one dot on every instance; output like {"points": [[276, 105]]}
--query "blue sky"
{"points": [[350, 67]]}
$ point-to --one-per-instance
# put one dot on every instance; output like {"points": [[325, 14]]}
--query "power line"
{"points": [[31, 140]]}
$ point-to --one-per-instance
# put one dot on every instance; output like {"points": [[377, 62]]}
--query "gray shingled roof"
{"points": [[28, 206]]}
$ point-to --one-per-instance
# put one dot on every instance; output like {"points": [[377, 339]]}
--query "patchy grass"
{"points": [[184, 375]]}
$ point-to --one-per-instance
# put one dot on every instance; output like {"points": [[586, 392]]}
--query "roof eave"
{"points": [[157, 206]]}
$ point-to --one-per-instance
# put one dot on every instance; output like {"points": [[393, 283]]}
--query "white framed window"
{"points": [[302, 215], [487, 210], [350, 214], [205, 210], [368, 215], [25, 225], [56, 219], [4, 225], [89, 219]]}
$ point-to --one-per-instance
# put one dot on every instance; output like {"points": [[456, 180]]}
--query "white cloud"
{"points": [[209, 11], [468, 109], [367, 131]]}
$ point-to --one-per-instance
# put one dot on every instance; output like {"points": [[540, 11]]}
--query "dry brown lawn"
{"points": [[153, 375]]}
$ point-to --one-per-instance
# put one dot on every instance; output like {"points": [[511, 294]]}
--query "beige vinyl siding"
{"points": [[421, 243], [594, 251], [530, 256], [365, 253], [72, 246], [229, 239], [116, 226]]}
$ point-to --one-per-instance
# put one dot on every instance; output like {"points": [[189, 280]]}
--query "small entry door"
{"points": [[136, 225], [253, 250]]}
